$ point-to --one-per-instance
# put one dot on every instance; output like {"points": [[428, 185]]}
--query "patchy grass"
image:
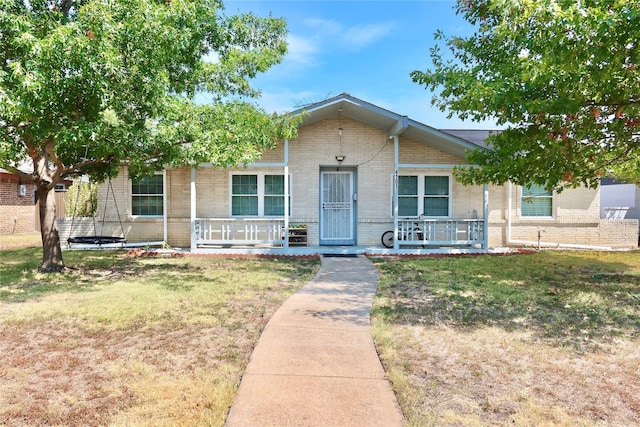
{"points": [[118, 340], [549, 338], [22, 240]]}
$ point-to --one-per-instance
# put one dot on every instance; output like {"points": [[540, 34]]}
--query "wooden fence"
{"points": [[62, 198]]}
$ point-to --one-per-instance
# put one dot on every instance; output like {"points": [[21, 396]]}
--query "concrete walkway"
{"points": [[315, 363]]}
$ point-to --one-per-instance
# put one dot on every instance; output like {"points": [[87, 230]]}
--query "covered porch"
{"points": [[275, 233], [366, 182]]}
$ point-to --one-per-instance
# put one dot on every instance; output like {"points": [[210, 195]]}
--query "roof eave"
{"points": [[393, 124]]}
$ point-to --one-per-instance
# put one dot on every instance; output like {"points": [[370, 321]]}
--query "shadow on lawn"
{"points": [[577, 299], [20, 281]]}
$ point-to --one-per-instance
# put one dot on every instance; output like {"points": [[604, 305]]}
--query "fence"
{"points": [[62, 198]]}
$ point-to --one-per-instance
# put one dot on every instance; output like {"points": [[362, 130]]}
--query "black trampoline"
{"points": [[96, 240]]}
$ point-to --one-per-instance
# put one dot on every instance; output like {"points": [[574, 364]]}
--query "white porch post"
{"points": [[165, 207], [396, 160], [485, 215], [285, 245], [400, 126], [193, 209]]}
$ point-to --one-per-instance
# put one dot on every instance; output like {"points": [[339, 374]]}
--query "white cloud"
{"points": [[286, 101], [323, 26], [301, 50], [328, 34], [364, 35], [319, 37], [356, 36]]}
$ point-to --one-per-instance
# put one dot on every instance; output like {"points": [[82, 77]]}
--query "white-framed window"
{"points": [[408, 200], [147, 196], [258, 194], [536, 201], [428, 195], [437, 190]]}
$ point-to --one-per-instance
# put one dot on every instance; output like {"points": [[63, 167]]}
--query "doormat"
{"points": [[340, 255]]}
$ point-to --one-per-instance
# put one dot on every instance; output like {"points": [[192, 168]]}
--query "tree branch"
{"points": [[611, 103], [51, 155], [80, 168], [632, 146], [65, 7]]}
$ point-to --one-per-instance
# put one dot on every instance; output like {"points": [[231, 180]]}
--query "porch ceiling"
{"points": [[390, 122]]}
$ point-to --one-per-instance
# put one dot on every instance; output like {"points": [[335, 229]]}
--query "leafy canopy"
{"points": [[88, 84], [563, 78]]}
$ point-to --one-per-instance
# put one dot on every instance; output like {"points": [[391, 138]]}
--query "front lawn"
{"points": [[120, 340], [551, 338]]}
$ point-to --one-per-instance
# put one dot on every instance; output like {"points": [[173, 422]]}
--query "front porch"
{"points": [[378, 250], [273, 236]]}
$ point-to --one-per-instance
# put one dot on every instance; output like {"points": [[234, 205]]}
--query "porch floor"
{"points": [[339, 250]]}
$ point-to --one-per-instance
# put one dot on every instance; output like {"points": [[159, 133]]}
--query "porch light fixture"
{"points": [[340, 157]]}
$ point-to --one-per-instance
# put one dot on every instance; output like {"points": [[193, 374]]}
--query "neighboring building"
{"points": [[17, 200], [619, 200], [355, 171]]}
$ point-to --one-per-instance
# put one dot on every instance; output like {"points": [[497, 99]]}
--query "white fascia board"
{"points": [[401, 125]]}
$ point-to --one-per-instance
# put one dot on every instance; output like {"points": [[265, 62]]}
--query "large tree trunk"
{"points": [[51, 249]]}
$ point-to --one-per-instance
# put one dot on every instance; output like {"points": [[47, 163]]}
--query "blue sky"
{"points": [[365, 48]]}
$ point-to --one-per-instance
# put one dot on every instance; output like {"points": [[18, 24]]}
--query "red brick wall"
{"points": [[17, 213]]}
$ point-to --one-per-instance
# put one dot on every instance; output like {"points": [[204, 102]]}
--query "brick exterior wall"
{"points": [[575, 221], [369, 153], [17, 213]]}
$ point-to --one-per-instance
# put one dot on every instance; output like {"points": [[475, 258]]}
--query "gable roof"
{"points": [[392, 123], [476, 136]]}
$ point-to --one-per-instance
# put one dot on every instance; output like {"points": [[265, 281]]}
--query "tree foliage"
{"points": [[82, 199], [562, 77], [87, 85]]}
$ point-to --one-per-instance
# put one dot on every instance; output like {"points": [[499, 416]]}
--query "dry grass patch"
{"points": [[133, 341], [544, 339], [15, 241]]}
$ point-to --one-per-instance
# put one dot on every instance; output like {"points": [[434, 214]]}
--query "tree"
{"points": [[87, 85], [562, 77]]}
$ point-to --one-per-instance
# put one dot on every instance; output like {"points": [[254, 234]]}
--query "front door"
{"points": [[337, 207]]}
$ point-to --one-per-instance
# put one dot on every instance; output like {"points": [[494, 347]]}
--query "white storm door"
{"points": [[336, 204]]}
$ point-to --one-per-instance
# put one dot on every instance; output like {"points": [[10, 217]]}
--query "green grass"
{"points": [[20, 281], [564, 297], [133, 340]]}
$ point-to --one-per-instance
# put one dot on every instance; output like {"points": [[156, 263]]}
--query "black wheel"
{"points": [[387, 239]]}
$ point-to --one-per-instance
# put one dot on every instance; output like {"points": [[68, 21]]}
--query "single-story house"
{"points": [[354, 172]]}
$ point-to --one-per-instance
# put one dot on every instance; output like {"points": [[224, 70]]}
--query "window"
{"points": [[257, 195], [436, 196], [147, 196], [408, 196], [536, 201], [274, 195], [427, 195], [244, 195]]}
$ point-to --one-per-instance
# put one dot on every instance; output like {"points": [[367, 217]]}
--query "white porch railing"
{"points": [[440, 232], [239, 231], [412, 232]]}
